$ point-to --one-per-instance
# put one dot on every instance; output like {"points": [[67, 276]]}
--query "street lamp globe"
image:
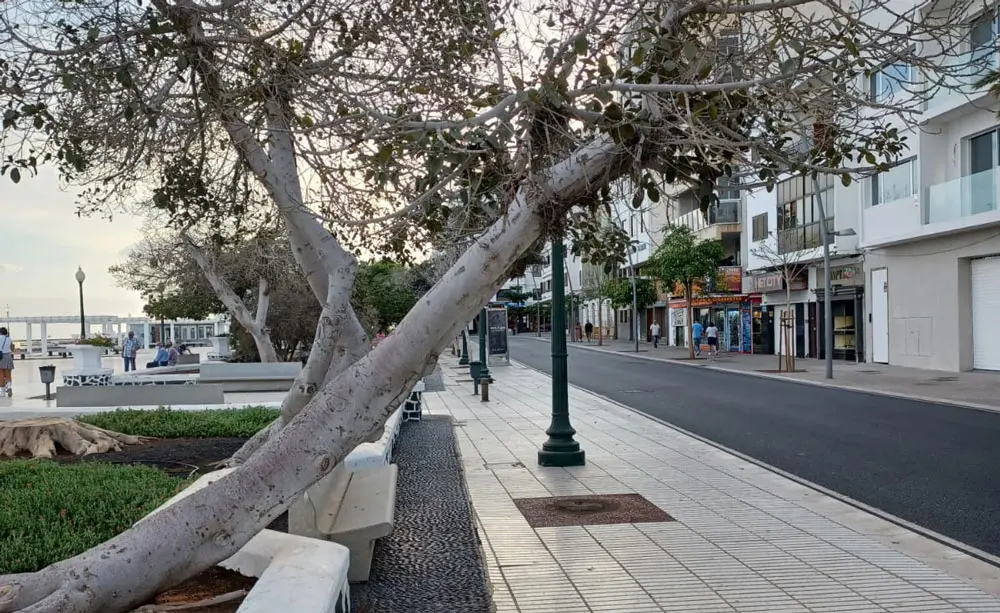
{"points": [[80, 275]]}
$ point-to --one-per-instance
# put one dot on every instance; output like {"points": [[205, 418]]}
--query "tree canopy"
{"points": [[619, 292], [682, 259]]}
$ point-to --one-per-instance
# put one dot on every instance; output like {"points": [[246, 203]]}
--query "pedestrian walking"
{"points": [[713, 338], [6, 363], [654, 330], [588, 329], [130, 347], [696, 337]]}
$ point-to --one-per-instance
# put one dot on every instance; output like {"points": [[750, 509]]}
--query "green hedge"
{"points": [[171, 423], [50, 512]]}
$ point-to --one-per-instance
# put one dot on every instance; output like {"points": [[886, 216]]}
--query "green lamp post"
{"points": [[561, 449], [464, 360], [485, 372]]}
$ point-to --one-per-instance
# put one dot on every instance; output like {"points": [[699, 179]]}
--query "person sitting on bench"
{"points": [[161, 357]]}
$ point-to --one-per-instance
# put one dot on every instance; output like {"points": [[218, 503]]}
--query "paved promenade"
{"points": [[744, 539], [976, 389]]}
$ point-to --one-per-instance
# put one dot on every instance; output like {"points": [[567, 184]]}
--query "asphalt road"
{"points": [[937, 466]]}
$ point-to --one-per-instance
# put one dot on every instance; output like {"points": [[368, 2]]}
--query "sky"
{"points": [[43, 242]]}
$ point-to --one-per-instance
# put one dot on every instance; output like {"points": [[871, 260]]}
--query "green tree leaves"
{"points": [[685, 260]]}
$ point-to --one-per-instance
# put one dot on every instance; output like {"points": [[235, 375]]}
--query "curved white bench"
{"points": [[379, 453], [351, 508], [294, 573]]}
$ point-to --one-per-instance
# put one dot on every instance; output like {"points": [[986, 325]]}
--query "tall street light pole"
{"points": [[824, 233], [80, 278], [561, 449]]}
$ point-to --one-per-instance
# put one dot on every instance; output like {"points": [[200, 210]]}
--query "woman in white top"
{"points": [[6, 362]]}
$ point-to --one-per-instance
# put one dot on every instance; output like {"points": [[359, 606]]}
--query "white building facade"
{"points": [[930, 229]]}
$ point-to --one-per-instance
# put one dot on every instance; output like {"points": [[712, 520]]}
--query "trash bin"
{"points": [[475, 369], [47, 374]]}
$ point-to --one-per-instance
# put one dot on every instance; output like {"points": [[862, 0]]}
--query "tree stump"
{"points": [[38, 436]]}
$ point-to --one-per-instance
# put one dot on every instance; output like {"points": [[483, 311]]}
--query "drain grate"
{"points": [[635, 391], [869, 372], [946, 378], [590, 510]]}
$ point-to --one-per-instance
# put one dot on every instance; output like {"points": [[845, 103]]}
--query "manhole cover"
{"points": [[870, 372], [635, 391], [589, 510], [583, 505], [948, 378]]}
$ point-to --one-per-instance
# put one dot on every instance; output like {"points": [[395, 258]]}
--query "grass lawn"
{"points": [[51, 511], [171, 423]]}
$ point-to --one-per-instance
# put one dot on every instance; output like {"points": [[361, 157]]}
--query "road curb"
{"points": [[774, 377], [973, 552]]}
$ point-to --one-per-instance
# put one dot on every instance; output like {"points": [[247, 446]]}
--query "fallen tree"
{"points": [[186, 76]]}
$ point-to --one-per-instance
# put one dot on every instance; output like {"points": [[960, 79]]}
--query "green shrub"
{"points": [[170, 423], [50, 512]]}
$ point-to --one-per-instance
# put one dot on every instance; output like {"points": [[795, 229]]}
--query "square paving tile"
{"points": [[591, 510]]}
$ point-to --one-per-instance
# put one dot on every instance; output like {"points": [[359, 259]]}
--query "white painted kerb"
{"points": [[294, 573]]}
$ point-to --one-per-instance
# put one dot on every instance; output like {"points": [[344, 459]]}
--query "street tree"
{"points": [[685, 262], [789, 266], [320, 115], [619, 293], [594, 290]]}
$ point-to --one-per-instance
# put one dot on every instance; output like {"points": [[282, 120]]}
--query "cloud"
{"points": [[10, 267]]}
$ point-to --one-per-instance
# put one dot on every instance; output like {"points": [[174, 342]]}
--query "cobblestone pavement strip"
{"points": [[433, 560], [746, 539]]}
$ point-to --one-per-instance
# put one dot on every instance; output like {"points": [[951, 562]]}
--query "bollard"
{"points": [[485, 385]]}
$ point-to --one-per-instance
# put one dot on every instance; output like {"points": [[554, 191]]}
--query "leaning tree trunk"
{"points": [[213, 523], [253, 324]]}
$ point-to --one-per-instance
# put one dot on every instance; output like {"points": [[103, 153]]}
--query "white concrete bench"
{"points": [[154, 379], [251, 376], [294, 573], [138, 395], [378, 453], [351, 508]]}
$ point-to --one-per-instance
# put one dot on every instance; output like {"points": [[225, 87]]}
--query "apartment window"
{"points": [[979, 187], [759, 223], [898, 182], [798, 212], [983, 35], [889, 82]]}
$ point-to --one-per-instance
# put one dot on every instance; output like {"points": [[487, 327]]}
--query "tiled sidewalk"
{"points": [[745, 539]]}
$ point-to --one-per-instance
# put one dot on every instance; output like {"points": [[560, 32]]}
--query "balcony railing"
{"points": [[959, 74], [724, 212], [961, 197]]}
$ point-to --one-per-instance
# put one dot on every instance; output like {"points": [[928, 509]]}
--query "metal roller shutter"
{"points": [[986, 313]]}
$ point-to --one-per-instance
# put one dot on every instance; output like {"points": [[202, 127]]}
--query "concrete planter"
{"points": [[220, 348], [87, 369], [294, 573]]}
